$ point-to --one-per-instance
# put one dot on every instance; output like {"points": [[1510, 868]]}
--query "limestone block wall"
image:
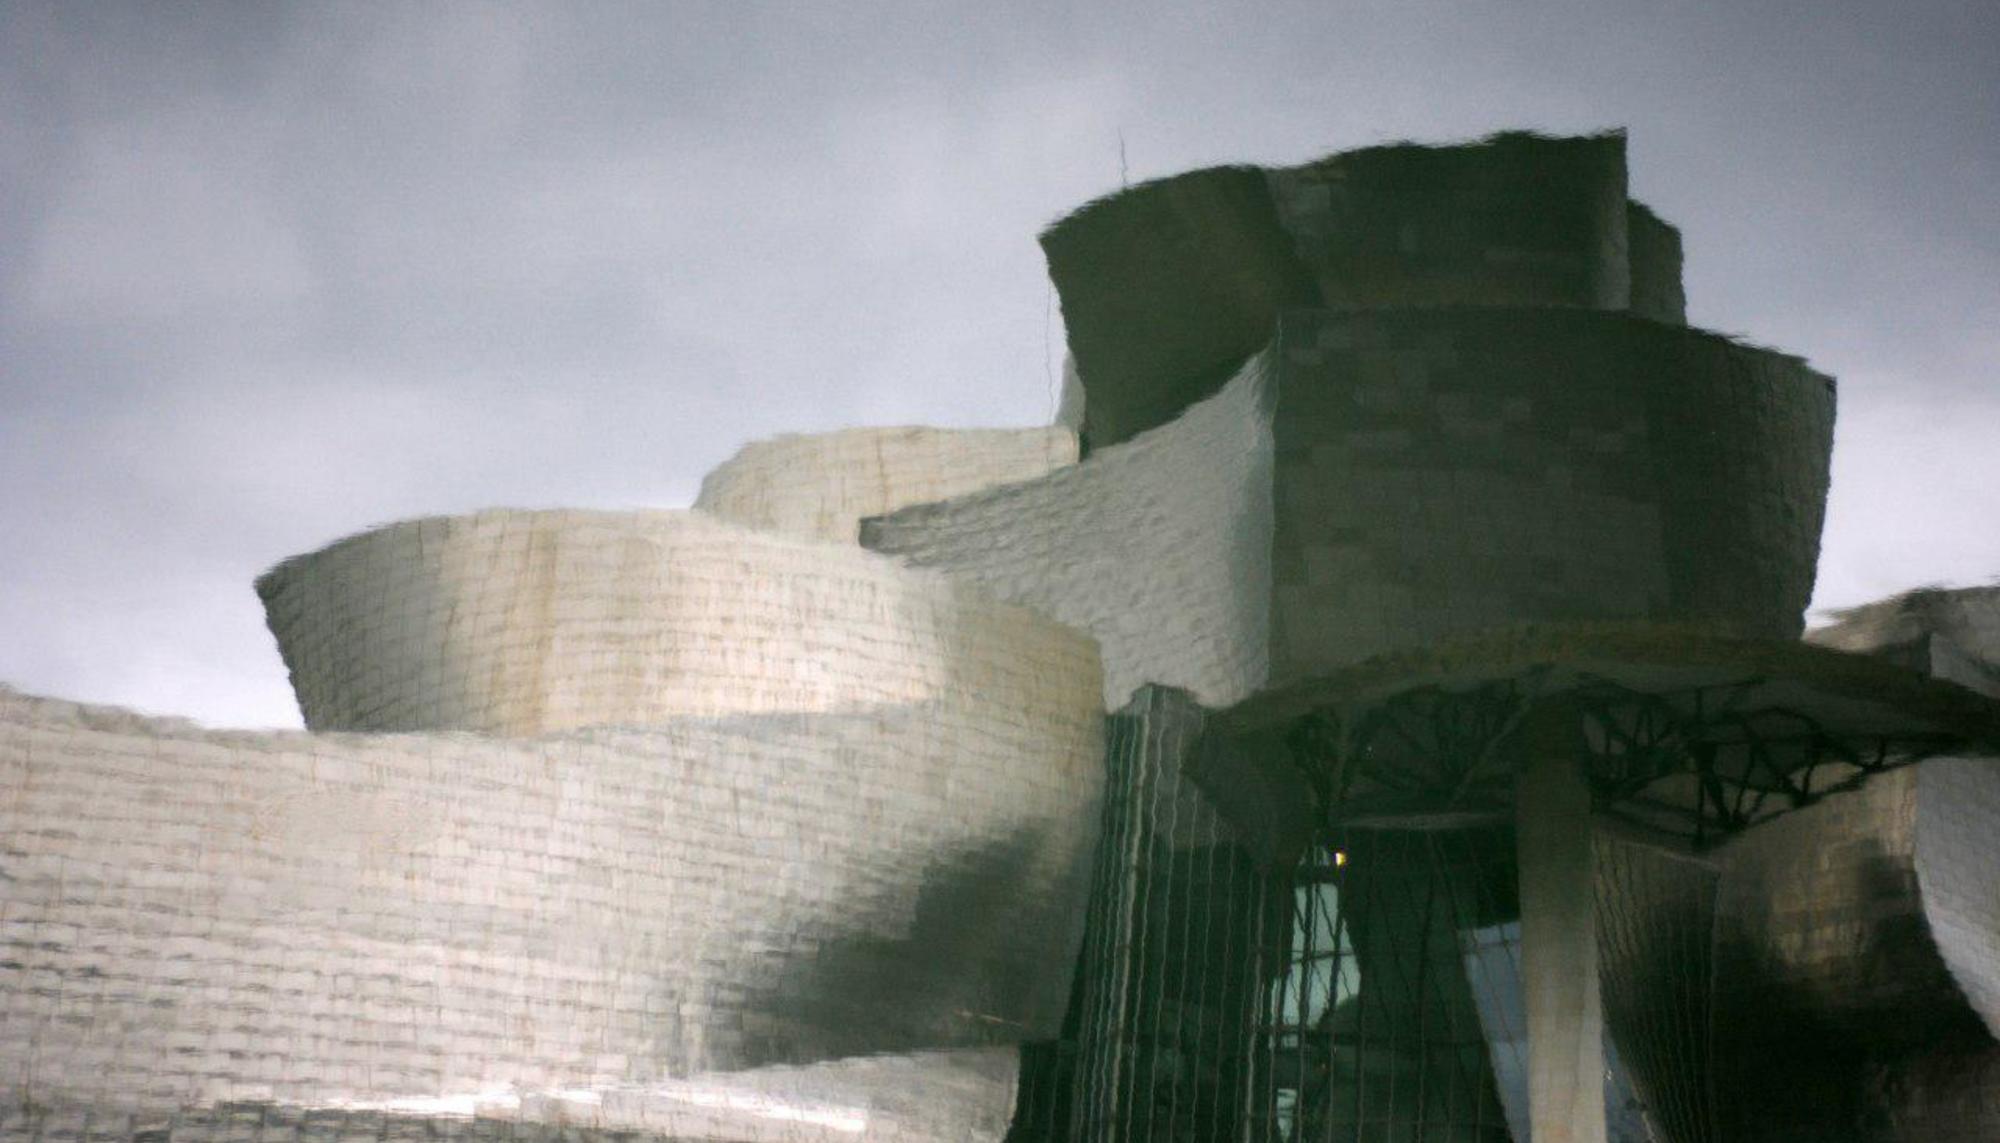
{"points": [[1852, 934], [197, 917], [961, 1096], [821, 485], [1169, 286], [1826, 901], [1442, 472], [1945, 831], [1069, 410], [525, 622], [1951, 634], [1158, 547], [1653, 251], [1957, 855], [1517, 219], [1826, 967]]}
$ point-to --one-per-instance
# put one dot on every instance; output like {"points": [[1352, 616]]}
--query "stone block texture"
{"points": [[1518, 219], [197, 917], [1167, 289], [1434, 473], [1449, 471], [1069, 410], [1948, 826], [525, 622], [1826, 968], [1950, 634], [1823, 903], [1169, 286], [1653, 251], [1852, 934], [1957, 859], [962, 1096], [1158, 547], [820, 485]]}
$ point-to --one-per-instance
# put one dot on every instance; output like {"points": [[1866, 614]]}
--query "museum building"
{"points": [[1379, 710]]}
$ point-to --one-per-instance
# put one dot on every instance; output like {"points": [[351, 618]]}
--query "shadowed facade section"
{"points": [[1169, 286], [1446, 472]]}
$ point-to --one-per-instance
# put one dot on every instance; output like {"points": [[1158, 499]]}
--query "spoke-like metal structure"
{"points": [[1698, 762]]}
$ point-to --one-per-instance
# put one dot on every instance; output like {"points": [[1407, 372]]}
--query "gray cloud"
{"points": [[280, 272]]}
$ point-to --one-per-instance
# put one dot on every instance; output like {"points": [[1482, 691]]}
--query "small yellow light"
{"points": [[1339, 857]]}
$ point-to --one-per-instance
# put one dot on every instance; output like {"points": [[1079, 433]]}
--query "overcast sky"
{"points": [[273, 273]]}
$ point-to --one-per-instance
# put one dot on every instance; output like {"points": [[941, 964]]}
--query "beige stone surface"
{"points": [[1824, 903], [1160, 547], [1938, 825], [820, 485], [1951, 634], [194, 917], [1851, 934], [1957, 857], [1167, 287], [1446, 473], [961, 1096], [1069, 409], [515, 623]]}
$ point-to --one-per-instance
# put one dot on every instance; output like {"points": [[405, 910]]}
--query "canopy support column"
{"points": [[1558, 929]]}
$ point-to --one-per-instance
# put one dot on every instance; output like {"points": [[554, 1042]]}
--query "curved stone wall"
{"points": [[821, 485], [1516, 219], [195, 917], [960, 1096], [1956, 848], [1169, 286], [1433, 474], [1159, 547], [1951, 634], [1824, 963], [1444, 472], [1817, 906], [1854, 931], [1653, 250], [526, 622]]}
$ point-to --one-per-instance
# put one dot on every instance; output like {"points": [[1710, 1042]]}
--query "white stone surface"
{"points": [[963, 1096], [1820, 898], [1957, 854], [1160, 547], [1949, 634], [193, 917], [1069, 410], [820, 485], [526, 622], [1948, 829]]}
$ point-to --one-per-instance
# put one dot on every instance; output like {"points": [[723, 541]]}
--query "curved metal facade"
{"points": [[1446, 472], [197, 917], [1158, 547], [821, 485], [528, 622]]}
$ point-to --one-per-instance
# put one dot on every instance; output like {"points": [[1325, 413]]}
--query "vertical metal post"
{"points": [[1558, 929]]}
